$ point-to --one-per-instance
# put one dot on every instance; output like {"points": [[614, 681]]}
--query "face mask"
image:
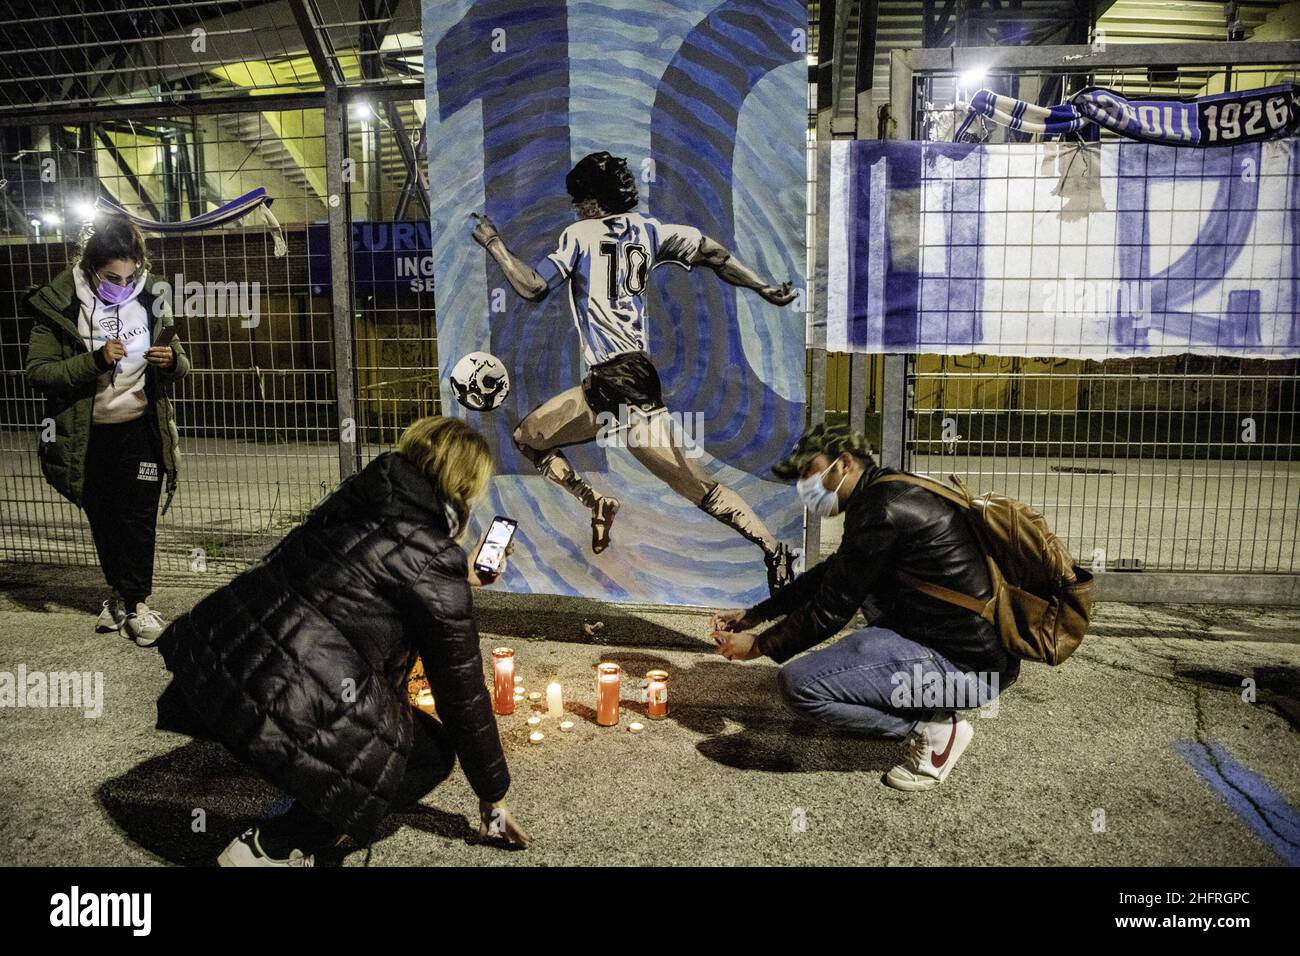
{"points": [[816, 497], [114, 294]]}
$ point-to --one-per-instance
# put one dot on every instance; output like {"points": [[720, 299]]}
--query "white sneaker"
{"points": [[112, 617], [245, 850], [144, 626], [932, 748]]}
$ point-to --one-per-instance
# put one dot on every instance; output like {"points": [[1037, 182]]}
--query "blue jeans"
{"points": [[858, 684]]}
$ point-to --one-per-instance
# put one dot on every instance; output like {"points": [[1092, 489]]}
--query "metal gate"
{"points": [[267, 422], [1181, 464]]}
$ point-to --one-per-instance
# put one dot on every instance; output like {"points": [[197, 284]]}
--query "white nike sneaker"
{"points": [[932, 748], [144, 626], [112, 617], [245, 850]]}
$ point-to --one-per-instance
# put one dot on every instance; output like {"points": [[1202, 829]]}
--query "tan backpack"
{"points": [[1041, 600]]}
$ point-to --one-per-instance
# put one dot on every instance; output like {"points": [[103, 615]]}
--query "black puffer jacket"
{"points": [[299, 665], [889, 527]]}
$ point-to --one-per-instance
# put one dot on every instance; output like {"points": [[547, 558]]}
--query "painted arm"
{"points": [[523, 278], [729, 269]]}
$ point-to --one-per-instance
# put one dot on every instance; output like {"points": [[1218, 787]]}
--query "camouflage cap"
{"points": [[828, 439]]}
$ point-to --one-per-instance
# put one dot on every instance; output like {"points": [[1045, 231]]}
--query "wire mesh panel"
{"points": [[256, 414], [396, 337], [170, 130], [1183, 463]]}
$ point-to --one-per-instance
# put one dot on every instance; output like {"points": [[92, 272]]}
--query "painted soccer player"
{"points": [[606, 257]]}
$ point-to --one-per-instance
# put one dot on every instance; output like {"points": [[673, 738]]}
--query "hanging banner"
{"points": [[618, 204], [1060, 250]]}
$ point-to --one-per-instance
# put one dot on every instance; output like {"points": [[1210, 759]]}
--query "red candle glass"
{"points": [[503, 668], [607, 686]]}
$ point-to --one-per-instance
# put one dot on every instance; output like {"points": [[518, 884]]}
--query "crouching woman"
{"points": [[299, 665]]}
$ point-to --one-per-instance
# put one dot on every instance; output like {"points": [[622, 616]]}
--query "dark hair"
{"points": [[604, 178], [114, 237]]}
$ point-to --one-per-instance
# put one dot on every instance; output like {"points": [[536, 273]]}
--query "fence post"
{"points": [[339, 207], [893, 413]]}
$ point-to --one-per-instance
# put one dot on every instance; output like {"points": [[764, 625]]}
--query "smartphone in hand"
{"points": [[492, 554], [165, 337]]}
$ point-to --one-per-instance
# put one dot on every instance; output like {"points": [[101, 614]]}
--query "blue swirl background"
{"points": [[707, 100]]}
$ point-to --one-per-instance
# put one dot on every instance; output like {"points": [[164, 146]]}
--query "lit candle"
{"points": [[536, 737], [519, 680], [554, 699], [566, 725], [534, 721], [503, 666], [607, 695], [535, 695], [656, 694]]}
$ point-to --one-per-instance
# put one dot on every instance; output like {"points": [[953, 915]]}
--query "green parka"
{"points": [[61, 368]]}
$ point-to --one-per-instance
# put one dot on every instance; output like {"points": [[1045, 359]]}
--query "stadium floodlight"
{"points": [[972, 79]]}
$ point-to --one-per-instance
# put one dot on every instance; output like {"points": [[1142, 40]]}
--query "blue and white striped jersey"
{"points": [[607, 263]]}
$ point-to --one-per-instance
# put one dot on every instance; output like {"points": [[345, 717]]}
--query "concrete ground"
{"points": [[1138, 751]]}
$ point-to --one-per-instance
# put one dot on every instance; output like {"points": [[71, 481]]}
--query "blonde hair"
{"points": [[454, 456]]}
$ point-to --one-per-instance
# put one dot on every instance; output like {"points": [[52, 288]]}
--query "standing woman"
{"points": [[95, 354]]}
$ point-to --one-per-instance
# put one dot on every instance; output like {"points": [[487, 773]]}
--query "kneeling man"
{"points": [[921, 660]]}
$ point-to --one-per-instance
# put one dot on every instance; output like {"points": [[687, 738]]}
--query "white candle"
{"points": [[636, 727], [536, 737], [534, 721], [566, 725], [518, 679], [554, 699], [535, 695]]}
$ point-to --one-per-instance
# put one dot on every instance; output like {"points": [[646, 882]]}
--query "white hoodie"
{"points": [[119, 392]]}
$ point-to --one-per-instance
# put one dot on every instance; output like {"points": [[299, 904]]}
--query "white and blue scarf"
{"points": [[1224, 119], [1020, 116]]}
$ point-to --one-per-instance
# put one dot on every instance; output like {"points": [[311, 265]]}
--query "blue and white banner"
{"points": [[706, 101], [1063, 250], [1222, 119]]}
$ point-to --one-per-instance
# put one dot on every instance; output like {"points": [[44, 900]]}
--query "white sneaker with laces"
{"points": [[931, 750], [111, 617], [246, 850], [144, 626]]}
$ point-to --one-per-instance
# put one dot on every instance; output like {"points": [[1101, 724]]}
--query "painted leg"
{"points": [[566, 419]]}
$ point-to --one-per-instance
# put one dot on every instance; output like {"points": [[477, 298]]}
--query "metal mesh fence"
{"points": [[1178, 464], [258, 415], [1137, 463], [1181, 464]]}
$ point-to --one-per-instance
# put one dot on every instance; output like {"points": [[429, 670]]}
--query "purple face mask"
{"points": [[114, 294]]}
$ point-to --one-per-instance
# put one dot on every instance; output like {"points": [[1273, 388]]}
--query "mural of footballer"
{"points": [[606, 257]]}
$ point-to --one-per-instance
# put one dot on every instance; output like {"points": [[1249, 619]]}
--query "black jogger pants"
{"points": [[124, 477]]}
